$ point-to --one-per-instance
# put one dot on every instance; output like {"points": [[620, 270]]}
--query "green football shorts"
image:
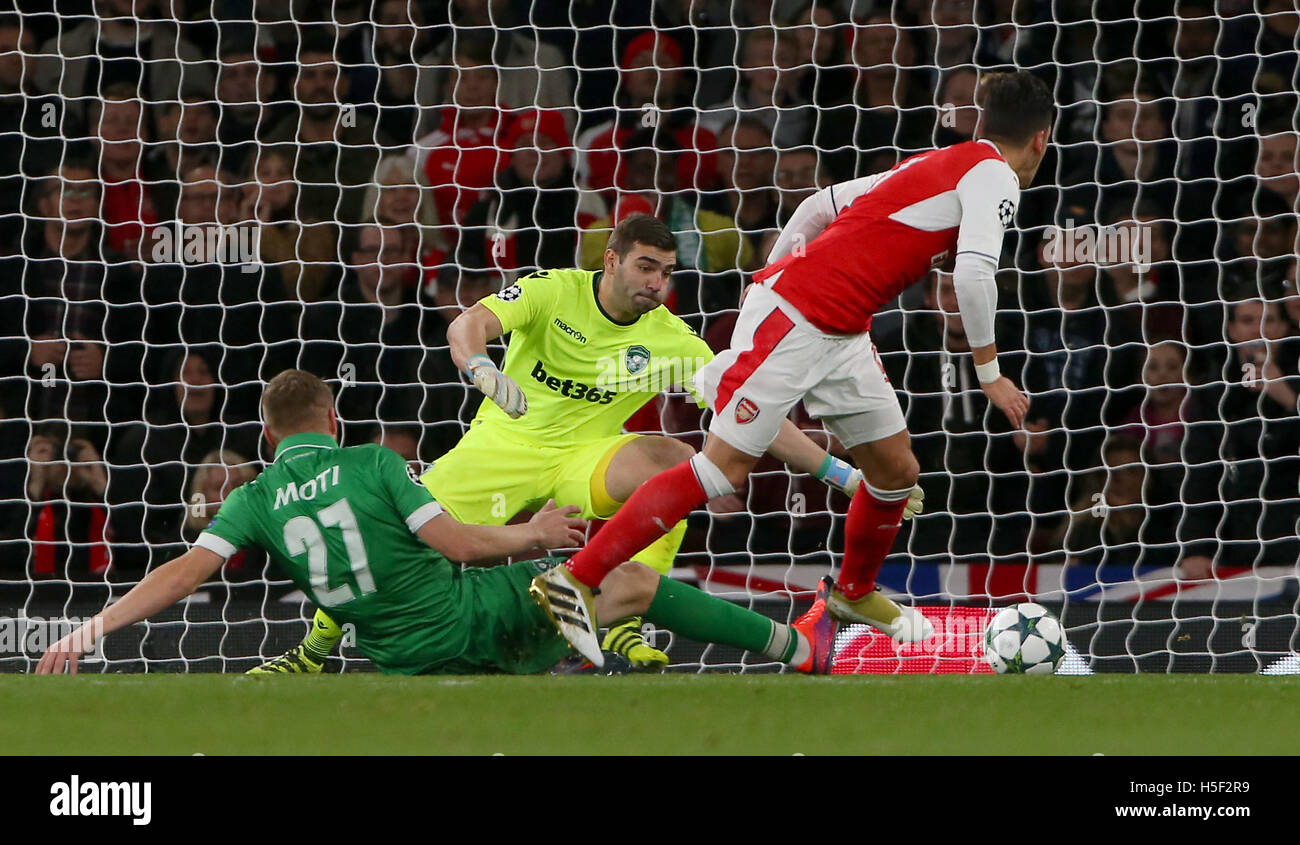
{"points": [[509, 633]]}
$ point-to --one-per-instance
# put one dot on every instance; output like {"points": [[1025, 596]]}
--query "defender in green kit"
{"points": [[307, 510], [359, 533]]}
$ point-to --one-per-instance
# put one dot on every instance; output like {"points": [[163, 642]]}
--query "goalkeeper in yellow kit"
{"points": [[587, 349]]}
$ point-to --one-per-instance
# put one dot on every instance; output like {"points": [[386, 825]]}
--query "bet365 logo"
{"points": [[571, 389]]}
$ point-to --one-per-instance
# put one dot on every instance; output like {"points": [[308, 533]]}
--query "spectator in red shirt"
{"points": [[652, 85], [462, 156], [68, 511], [532, 73], [128, 206], [532, 219]]}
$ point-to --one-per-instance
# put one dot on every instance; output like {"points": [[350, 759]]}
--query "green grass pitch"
{"points": [[647, 715]]}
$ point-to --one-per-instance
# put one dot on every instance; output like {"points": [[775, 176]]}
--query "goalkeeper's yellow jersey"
{"points": [[583, 373]]}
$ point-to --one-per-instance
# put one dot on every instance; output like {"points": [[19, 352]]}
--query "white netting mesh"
{"points": [[197, 195]]}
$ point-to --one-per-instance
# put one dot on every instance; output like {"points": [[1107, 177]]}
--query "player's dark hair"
{"points": [[295, 401], [1014, 105], [641, 229]]}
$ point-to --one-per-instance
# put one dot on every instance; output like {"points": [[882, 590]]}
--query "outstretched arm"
{"points": [[550, 528], [159, 590], [977, 300], [799, 452], [794, 448], [989, 193]]}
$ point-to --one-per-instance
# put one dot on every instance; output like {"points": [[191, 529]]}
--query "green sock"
{"points": [[699, 616], [323, 635]]}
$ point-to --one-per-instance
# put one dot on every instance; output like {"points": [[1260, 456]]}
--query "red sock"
{"points": [[868, 536], [651, 512]]}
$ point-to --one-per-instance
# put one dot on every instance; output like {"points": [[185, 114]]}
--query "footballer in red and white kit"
{"points": [[847, 251], [802, 334]]}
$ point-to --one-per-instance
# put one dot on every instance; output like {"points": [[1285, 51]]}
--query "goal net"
{"points": [[192, 203]]}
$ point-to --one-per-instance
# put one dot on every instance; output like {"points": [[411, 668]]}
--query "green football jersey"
{"points": [[583, 373], [341, 524]]}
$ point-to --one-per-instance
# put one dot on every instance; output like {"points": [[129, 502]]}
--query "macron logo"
{"points": [[570, 330], [91, 798]]}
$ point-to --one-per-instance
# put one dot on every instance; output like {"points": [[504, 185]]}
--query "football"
{"points": [[1024, 639]]}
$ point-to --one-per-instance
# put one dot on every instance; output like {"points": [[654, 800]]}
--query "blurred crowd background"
{"points": [[401, 160]]}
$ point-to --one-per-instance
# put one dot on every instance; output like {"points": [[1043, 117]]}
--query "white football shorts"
{"points": [[778, 358]]}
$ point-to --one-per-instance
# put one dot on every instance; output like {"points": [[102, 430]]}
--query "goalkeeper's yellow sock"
{"points": [[323, 636], [660, 554]]}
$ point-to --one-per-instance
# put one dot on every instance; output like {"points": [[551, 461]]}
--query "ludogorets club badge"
{"points": [[638, 358]]}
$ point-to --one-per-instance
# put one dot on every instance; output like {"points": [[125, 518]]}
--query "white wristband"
{"points": [[988, 373]]}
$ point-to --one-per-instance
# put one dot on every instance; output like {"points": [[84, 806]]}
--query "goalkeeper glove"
{"points": [[497, 386], [915, 502]]}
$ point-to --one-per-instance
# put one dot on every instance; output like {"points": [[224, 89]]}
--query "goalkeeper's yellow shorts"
{"points": [[489, 477]]}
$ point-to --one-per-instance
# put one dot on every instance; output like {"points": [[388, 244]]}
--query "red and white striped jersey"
{"points": [[851, 248]]}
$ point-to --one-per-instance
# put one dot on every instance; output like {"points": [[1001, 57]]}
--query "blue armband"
{"points": [[834, 471]]}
